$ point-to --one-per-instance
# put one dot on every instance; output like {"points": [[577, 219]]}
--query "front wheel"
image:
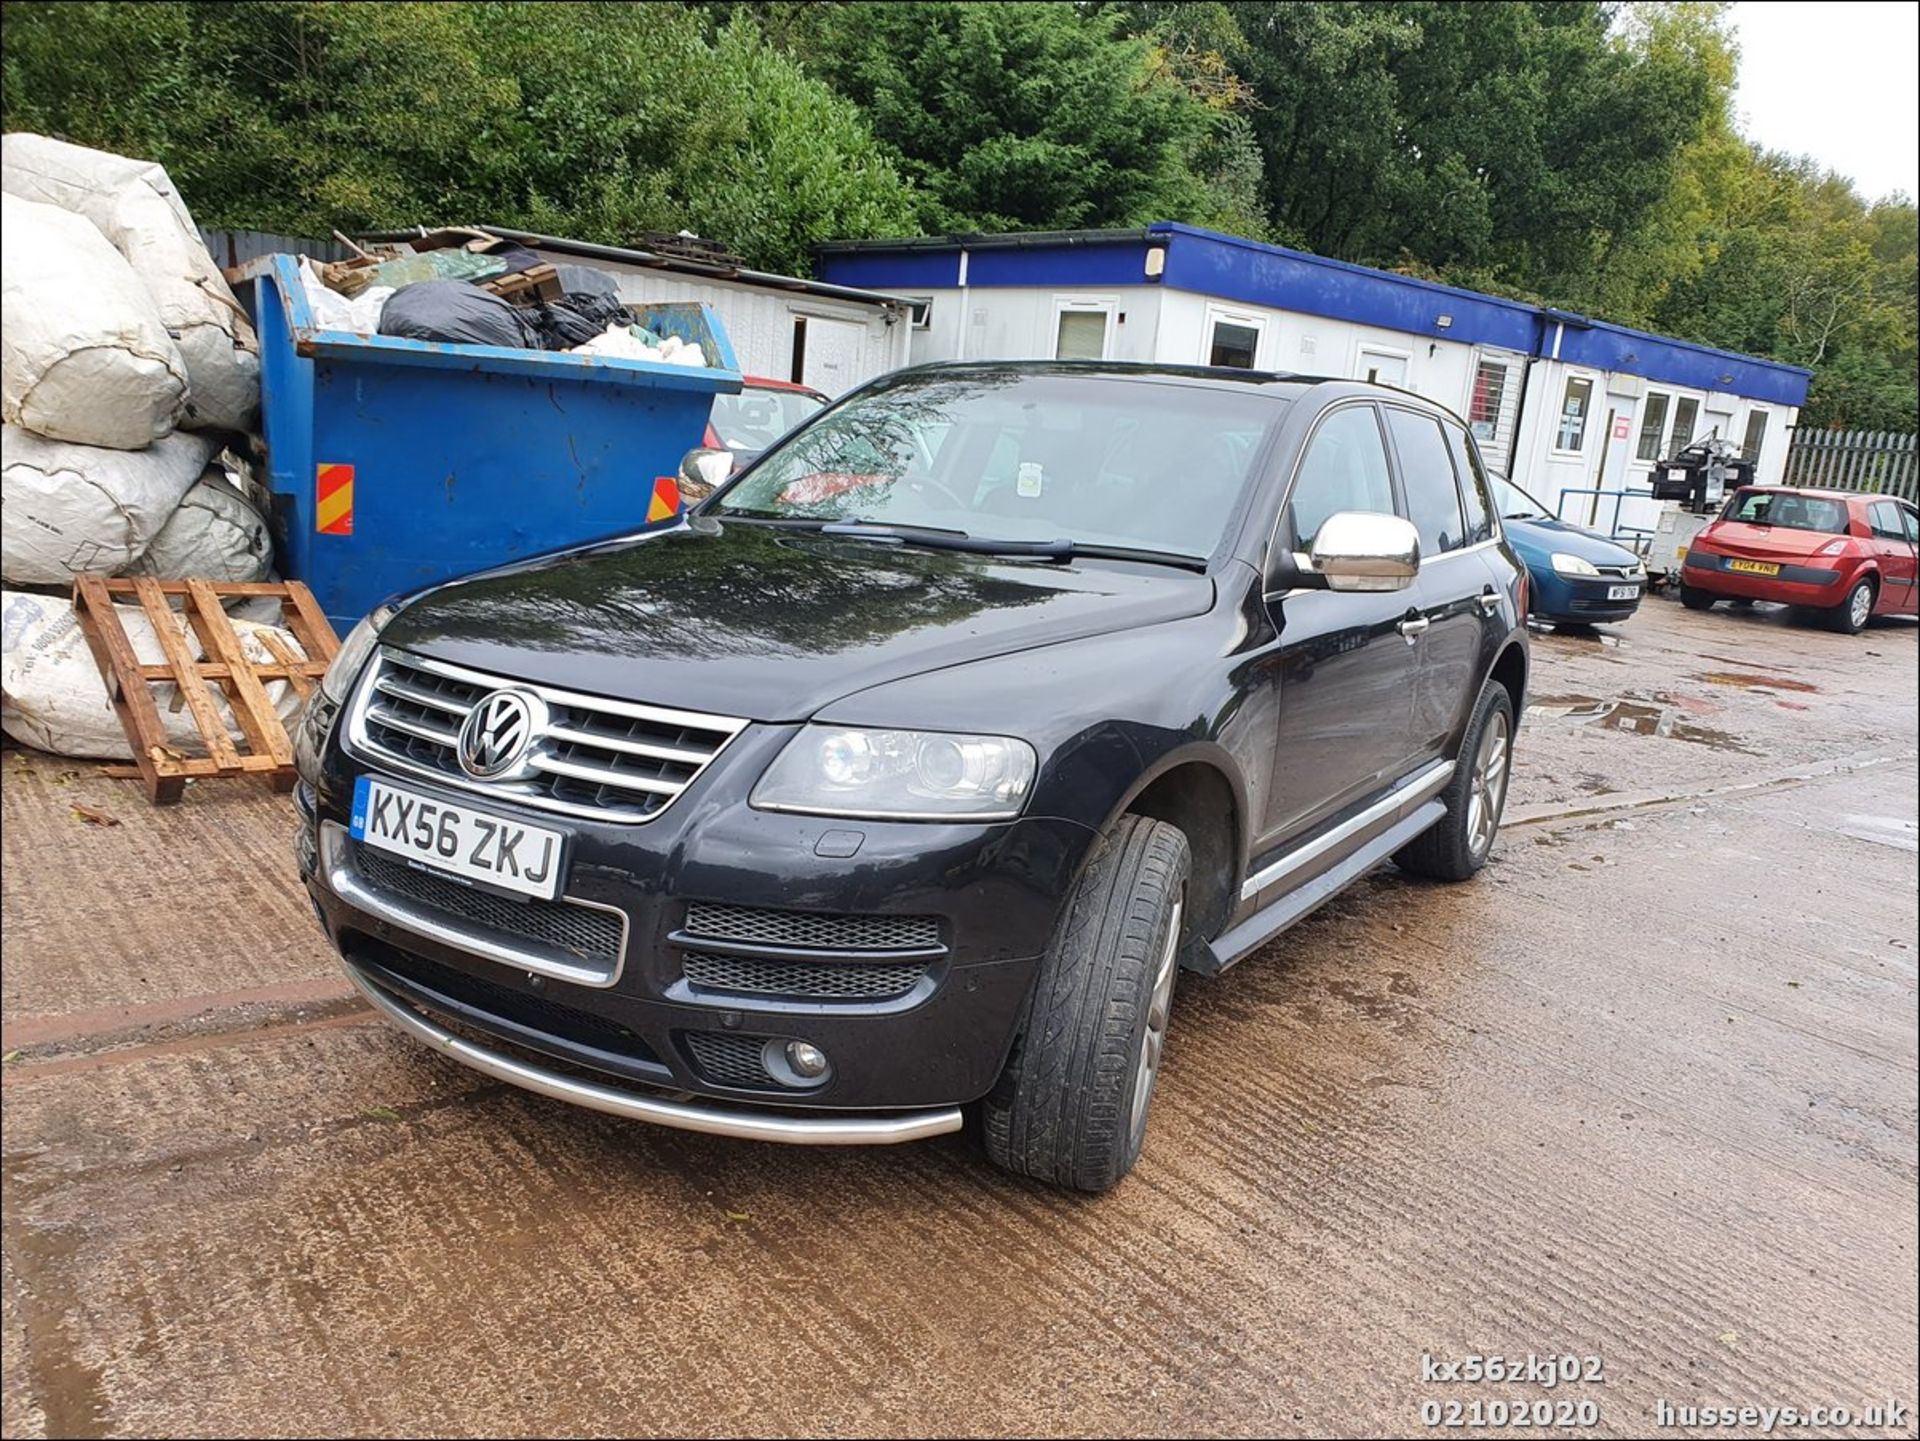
{"points": [[1460, 842], [1850, 617], [1071, 1107]]}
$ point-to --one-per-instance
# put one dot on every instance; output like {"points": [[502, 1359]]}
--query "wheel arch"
{"points": [[1198, 789], [1510, 669]]}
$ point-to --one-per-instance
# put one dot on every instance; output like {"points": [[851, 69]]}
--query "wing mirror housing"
{"points": [[1355, 550], [703, 470]]}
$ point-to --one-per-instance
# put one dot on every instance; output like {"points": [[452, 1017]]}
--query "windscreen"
{"points": [[1785, 508], [1021, 455], [757, 417], [1515, 503]]}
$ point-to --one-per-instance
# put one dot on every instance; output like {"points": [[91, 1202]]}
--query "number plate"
{"points": [[1753, 567], [1623, 592], [467, 843]]}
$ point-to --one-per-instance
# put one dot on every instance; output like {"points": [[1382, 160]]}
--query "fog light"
{"points": [[806, 1060]]}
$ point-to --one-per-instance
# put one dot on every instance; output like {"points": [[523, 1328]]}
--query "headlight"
{"points": [[898, 775], [352, 657], [1565, 564]]}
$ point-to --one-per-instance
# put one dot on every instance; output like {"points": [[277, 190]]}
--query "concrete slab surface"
{"points": [[1645, 1091]]}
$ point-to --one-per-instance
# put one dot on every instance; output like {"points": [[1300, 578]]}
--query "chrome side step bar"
{"points": [[828, 1130], [1426, 783]]}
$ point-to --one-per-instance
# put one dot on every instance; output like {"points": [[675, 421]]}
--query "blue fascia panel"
{"points": [[1078, 263], [1093, 264], [1679, 362], [1270, 275], [901, 270]]}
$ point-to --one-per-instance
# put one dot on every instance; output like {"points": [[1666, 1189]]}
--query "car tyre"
{"points": [[1694, 598], [1456, 846], [1850, 617], [1071, 1106]]}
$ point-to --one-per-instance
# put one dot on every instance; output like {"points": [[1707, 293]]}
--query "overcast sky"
{"points": [[1837, 81]]}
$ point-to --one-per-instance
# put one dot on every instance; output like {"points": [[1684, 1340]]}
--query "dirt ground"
{"points": [[1644, 1092]]}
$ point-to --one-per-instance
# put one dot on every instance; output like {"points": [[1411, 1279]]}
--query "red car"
{"points": [[1849, 557]]}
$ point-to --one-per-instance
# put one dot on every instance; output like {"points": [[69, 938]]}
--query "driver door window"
{"points": [[1345, 468]]}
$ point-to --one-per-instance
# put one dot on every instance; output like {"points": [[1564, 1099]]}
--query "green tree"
{"points": [[588, 119], [1021, 116]]}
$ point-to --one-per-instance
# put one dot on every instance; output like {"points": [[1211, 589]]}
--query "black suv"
{"points": [[905, 776]]}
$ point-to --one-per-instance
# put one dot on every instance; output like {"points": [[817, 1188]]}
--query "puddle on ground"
{"points": [[1636, 717], [1748, 681], [1585, 635]]}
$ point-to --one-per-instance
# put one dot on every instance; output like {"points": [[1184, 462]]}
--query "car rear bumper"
{"points": [[1795, 584]]}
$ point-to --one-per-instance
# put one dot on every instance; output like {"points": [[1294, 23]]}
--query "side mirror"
{"points": [[1363, 550], [703, 470]]}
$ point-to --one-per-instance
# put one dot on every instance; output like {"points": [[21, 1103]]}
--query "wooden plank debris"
{"points": [[227, 681]]}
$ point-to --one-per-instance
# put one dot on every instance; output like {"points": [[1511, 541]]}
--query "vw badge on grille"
{"points": [[500, 732]]}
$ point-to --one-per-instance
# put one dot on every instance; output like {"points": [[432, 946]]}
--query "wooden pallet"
{"points": [[535, 284], [267, 750]]}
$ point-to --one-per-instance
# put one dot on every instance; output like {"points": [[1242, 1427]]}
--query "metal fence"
{"points": [[236, 247], [1879, 461]]}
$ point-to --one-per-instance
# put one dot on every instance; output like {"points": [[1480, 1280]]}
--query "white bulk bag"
{"points": [[68, 510], [84, 355], [136, 207], [216, 533], [55, 699]]}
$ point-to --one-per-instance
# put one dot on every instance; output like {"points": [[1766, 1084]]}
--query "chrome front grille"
{"points": [[597, 758], [593, 935], [812, 930]]}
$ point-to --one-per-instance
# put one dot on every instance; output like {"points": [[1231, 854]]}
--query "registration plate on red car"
{"points": [[1753, 567]]}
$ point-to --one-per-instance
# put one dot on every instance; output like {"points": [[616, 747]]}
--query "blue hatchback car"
{"points": [[1574, 576]]}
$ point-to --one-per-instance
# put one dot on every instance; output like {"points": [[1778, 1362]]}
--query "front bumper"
{"points": [[683, 1115], [642, 1040], [1580, 599]]}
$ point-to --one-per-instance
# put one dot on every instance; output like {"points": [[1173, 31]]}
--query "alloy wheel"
{"points": [[1154, 1039], [1861, 605], [1488, 791]]}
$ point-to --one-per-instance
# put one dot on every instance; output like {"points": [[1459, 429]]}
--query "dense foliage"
{"points": [[599, 121], [1581, 153]]}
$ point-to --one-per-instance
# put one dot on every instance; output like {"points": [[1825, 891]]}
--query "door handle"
{"points": [[1414, 627], [1489, 600]]}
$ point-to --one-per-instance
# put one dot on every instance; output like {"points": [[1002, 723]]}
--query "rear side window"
{"points": [[1426, 474], [1345, 468], [1885, 517], [1474, 489], [1912, 523]]}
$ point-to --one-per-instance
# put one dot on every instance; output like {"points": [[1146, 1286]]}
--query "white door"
{"points": [[1388, 367], [831, 359]]}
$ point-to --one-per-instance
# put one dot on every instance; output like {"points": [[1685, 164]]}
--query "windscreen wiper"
{"points": [[935, 539], [1176, 558]]}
